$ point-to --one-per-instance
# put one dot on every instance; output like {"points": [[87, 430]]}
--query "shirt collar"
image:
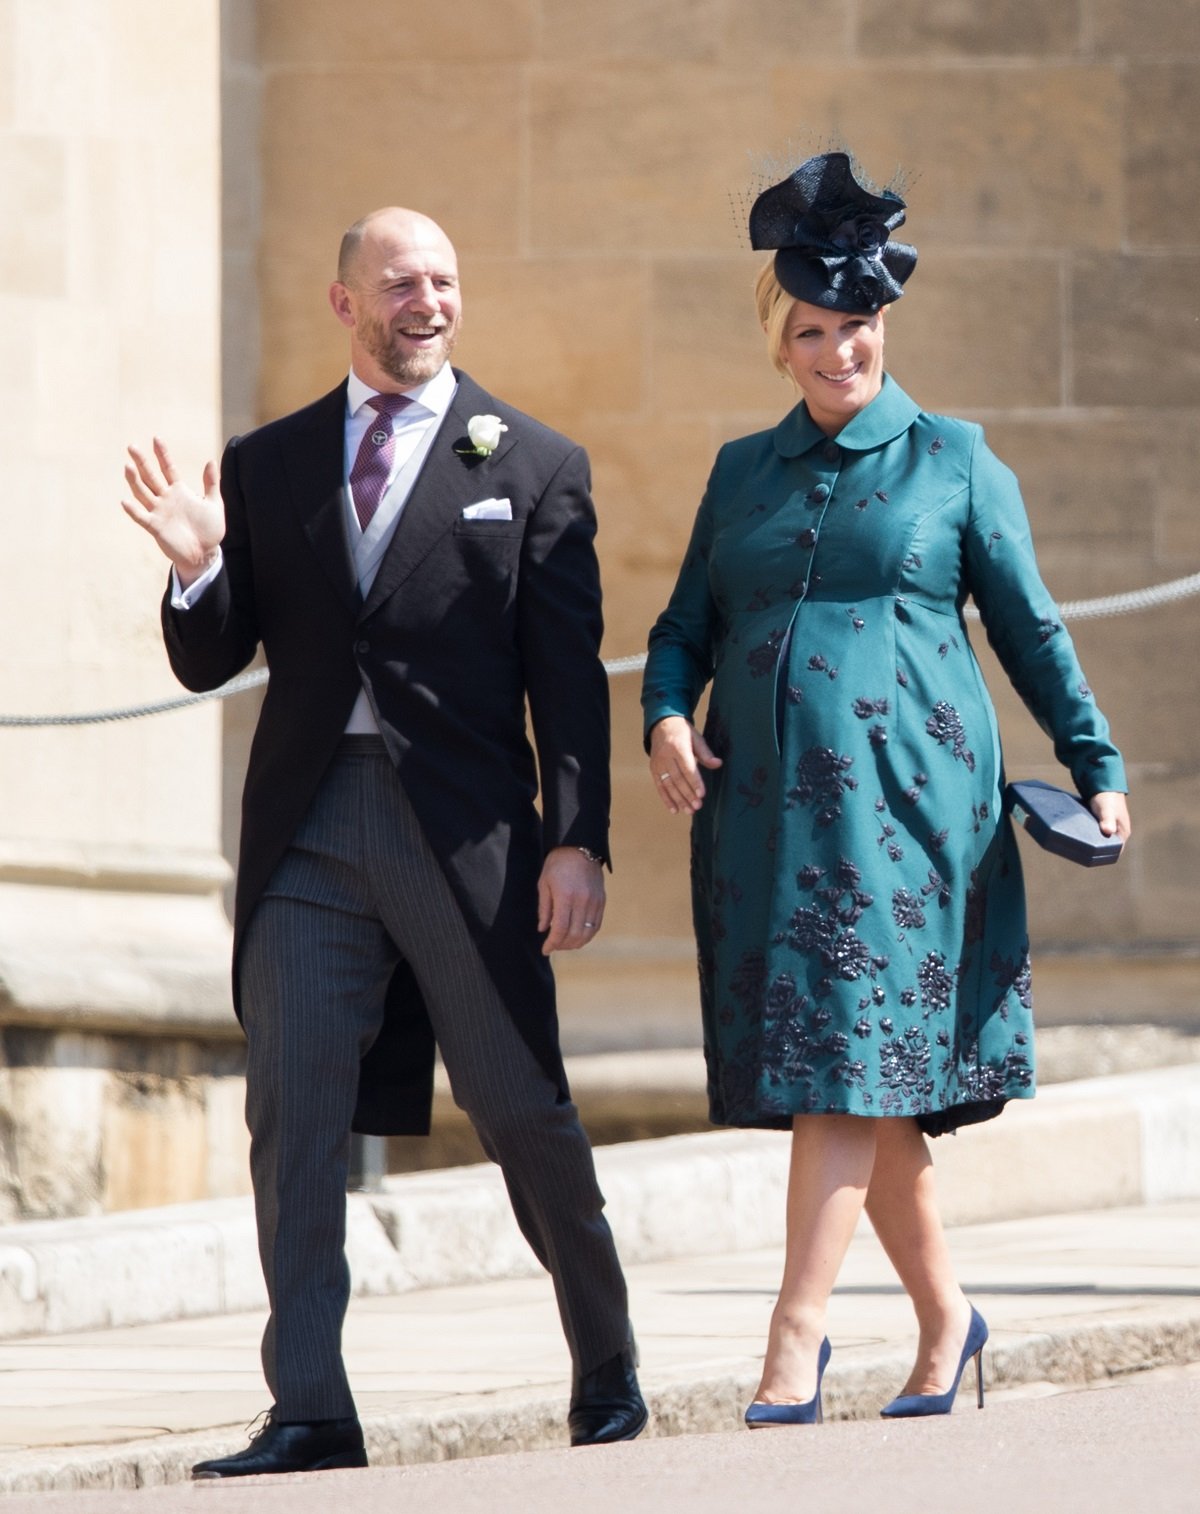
{"points": [[889, 414], [433, 396]]}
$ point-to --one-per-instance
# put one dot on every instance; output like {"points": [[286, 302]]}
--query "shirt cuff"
{"points": [[184, 599]]}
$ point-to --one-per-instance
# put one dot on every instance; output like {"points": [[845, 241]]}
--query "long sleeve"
{"points": [[1025, 630], [681, 655], [217, 637], [184, 599], [560, 628]]}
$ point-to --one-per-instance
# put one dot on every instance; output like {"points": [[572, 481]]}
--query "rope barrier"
{"points": [[237, 685], [1135, 600], [1131, 603]]}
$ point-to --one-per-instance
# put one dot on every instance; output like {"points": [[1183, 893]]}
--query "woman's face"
{"points": [[836, 360]]}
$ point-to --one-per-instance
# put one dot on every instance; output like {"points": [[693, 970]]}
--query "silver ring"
{"points": [[662, 777], [589, 925]]}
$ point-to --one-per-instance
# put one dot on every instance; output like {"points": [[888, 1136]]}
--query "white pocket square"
{"points": [[489, 509]]}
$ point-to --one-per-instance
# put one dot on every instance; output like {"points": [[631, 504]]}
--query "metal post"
{"points": [[368, 1163]]}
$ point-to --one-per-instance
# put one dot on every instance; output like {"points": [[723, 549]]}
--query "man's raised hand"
{"points": [[187, 526]]}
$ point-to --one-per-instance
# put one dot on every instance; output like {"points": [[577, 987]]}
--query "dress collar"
{"points": [[889, 414]]}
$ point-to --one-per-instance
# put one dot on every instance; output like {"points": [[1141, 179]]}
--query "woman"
{"points": [[857, 892]]}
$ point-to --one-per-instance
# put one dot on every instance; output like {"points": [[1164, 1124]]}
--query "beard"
{"points": [[398, 360]]}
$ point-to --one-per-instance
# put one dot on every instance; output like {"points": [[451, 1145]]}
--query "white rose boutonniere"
{"points": [[484, 432]]}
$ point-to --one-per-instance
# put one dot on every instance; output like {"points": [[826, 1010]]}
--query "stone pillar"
{"points": [[114, 1003]]}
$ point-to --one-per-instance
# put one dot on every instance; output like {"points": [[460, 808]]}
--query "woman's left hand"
{"points": [[1112, 811]]}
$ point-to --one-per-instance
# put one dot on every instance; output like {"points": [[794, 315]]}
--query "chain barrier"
{"points": [[1075, 609]]}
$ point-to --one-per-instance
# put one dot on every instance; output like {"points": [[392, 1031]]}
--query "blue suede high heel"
{"points": [[759, 1416], [909, 1405]]}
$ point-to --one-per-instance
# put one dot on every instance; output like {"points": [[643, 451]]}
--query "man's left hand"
{"points": [[570, 899]]}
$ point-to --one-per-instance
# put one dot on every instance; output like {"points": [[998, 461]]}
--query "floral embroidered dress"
{"points": [[857, 893]]}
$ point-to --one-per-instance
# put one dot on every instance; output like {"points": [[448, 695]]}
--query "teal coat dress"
{"points": [[857, 892]]}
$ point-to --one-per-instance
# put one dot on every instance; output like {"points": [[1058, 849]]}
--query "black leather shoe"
{"points": [[313, 1447], [607, 1404]]}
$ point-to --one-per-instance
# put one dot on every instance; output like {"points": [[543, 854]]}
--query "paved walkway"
{"points": [[1132, 1447], [481, 1368], [129, 1343]]}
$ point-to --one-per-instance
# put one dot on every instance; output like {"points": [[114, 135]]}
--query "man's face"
{"points": [[401, 301]]}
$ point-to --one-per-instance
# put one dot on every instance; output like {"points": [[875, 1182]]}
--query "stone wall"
{"points": [[583, 158], [169, 165]]}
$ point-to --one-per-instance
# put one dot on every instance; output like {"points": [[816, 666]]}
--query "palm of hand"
{"points": [[188, 526], [187, 522]]}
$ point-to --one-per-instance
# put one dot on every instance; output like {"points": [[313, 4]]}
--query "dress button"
{"points": [[807, 538], [362, 646], [820, 494], [831, 452]]}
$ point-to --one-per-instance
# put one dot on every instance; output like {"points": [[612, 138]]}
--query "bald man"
{"points": [[416, 559]]}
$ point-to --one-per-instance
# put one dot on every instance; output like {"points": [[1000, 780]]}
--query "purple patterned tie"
{"points": [[369, 475]]}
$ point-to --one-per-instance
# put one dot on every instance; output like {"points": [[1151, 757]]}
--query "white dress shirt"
{"points": [[414, 429]]}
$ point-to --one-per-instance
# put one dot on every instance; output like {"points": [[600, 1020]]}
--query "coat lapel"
{"points": [[444, 482], [314, 459]]}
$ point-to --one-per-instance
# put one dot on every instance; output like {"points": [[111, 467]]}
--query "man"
{"points": [[416, 559]]}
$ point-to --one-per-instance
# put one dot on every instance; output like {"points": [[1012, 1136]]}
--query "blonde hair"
{"points": [[774, 305]]}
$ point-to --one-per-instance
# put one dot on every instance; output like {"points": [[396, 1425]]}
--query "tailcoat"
{"points": [[857, 892], [469, 621]]}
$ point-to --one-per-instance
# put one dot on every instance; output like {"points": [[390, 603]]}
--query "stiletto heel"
{"points": [[909, 1405], [759, 1415]]}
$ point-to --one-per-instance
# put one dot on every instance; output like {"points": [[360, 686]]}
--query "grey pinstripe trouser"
{"points": [[359, 889]]}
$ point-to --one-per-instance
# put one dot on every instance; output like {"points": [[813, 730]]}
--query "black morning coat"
{"points": [[465, 622]]}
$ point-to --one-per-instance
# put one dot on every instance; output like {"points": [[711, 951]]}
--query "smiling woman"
{"points": [[857, 894], [834, 358]]}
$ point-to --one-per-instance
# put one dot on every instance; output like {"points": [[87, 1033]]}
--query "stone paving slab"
{"points": [[480, 1368]]}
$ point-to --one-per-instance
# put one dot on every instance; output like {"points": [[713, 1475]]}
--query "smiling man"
{"points": [[397, 291], [416, 560]]}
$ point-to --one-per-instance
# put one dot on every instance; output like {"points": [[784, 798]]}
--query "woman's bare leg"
{"points": [[901, 1204], [832, 1158]]}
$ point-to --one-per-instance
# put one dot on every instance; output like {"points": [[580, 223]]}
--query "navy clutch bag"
{"points": [[1060, 822]]}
